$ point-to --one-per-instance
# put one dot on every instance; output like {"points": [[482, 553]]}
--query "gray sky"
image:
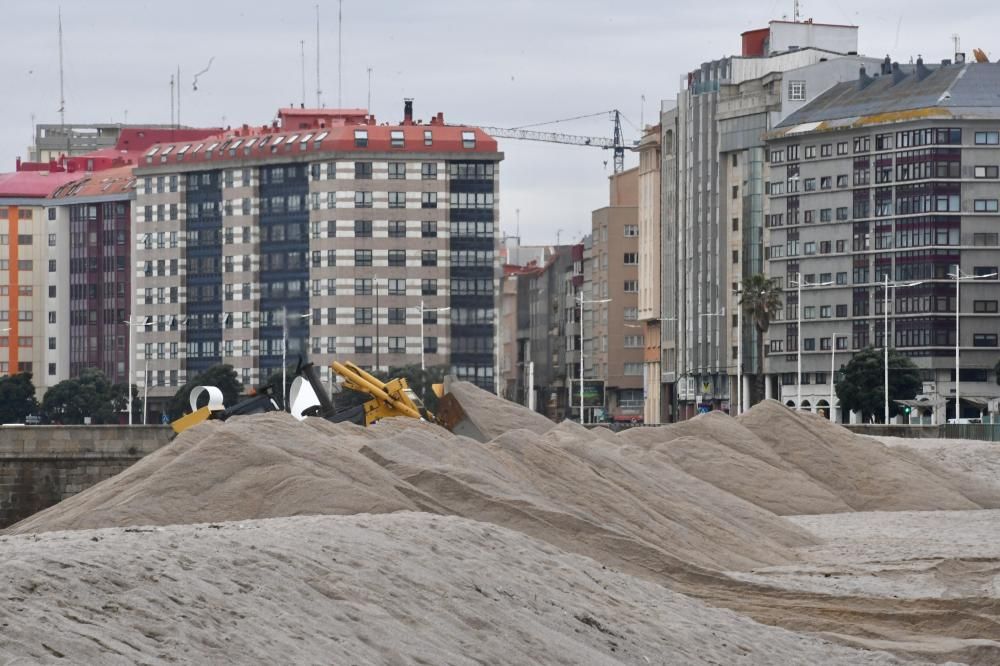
{"points": [[501, 64]]}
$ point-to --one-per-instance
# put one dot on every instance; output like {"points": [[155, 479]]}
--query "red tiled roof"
{"points": [[102, 183], [445, 139], [33, 184]]}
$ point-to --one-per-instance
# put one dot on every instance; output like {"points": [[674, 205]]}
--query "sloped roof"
{"points": [[33, 184], [963, 90], [110, 182]]}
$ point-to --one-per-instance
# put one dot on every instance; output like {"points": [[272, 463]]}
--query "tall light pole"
{"points": [[798, 313], [131, 359], [422, 309], [958, 308], [885, 339], [581, 301]]}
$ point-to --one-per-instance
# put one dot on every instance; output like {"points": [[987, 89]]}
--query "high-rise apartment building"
{"points": [[331, 232], [712, 172], [889, 180], [614, 337]]}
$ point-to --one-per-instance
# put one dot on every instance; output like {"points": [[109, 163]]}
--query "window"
{"points": [[428, 257], [428, 287], [362, 257], [428, 138], [809, 185], [362, 199], [631, 286], [631, 230], [736, 191], [362, 315], [397, 229], [397, 315], [631, 258], [430, 316], [842, 309], [363, 345], [631, 314], [362, 170], [429, 229], [842, 148], [987, 138], [397, 287], [736, 256], [397, 199], [984, 340], [52, 265], [430, 345], [468, 140], [360, 138], [633, 369], [396, 138], [986, 171], [397, 257], [808, 344], [986, 206], [809, 312], [362, 286], [796, 91], [984, 306], [987, 239], [428, 199], [397, 345], [736, 224], [362, 228], [633, 341], [826, 150], [983, 271], [397, 170], [429, 171], [810, 152]]}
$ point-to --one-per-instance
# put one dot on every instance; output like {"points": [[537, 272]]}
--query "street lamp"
{"points": [[284, 347], [885, 338], [798, 312], [581, 301], [146, 321], [422, 311], [958, 307]]}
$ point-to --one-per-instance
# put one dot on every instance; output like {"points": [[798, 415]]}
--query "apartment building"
{"points": [[613, 336], [650, 268], [889, 181], [332, 232], [716, 211], [34, 260]]}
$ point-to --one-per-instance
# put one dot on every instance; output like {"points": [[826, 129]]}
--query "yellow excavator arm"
{"points": [[392, 398]]}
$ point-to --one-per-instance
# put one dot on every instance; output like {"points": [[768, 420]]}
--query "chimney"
{"points": [[922, 71], [863, 79], [959, 58], [886, 66], [408, 111]]}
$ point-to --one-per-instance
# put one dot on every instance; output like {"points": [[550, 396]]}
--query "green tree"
{"points": [[222, 376], [862, 384], [17, 398], [761, 302], [91, 395]]}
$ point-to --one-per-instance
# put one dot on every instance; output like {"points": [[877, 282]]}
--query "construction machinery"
{"points": [[308, 397]]}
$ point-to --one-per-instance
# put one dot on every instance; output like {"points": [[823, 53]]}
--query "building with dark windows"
{"points": [[328, 230], [889, 181]]}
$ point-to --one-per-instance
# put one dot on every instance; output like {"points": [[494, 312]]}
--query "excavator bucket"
{"points": [[438, 390]]}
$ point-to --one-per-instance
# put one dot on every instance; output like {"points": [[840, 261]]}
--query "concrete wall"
{"points": [[43, 465]]}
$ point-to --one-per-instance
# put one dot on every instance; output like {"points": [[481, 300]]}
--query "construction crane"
{"points": [[615, 143]]}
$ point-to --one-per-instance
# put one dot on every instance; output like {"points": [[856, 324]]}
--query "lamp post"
{"points": [[131, 359], [284, 347], [798, 312], [581, 301], [958, 308], [885, 339], [422, 311]]}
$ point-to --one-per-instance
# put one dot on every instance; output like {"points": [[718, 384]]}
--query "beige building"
{"points": [[614, 335], [650, 266]]}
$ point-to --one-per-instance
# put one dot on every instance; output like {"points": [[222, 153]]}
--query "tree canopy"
{"points": [[223, 377], [17, 398], [861, 387], [91, 395]]}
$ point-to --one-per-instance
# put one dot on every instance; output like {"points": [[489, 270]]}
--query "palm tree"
{"points": [[761, 301]]}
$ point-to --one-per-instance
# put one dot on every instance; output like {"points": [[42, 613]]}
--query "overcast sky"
{"points": [[502, 64]]}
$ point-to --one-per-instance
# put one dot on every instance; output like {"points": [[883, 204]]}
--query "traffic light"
{"points": [[907, 409]]}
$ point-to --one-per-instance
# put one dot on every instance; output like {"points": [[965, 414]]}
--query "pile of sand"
{"points": [[391, 589], [976, 459], [261, 466], [865, 474], [487, 416]]}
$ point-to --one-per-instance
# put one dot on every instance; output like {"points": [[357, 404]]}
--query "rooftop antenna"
{"points": [[171, 100], [62, 96], [302, 52], [319, 93], [958, 44], [795, 12], [369, 89], [642, 111], [340, 52]]}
